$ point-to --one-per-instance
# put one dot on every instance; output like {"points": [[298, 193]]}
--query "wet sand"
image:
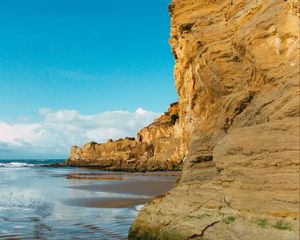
{"points": [[141, 188], [107, 202], [121, 175]]}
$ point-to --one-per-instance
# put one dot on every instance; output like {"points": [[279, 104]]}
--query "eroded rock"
{"points": [[155, 148], [237, 77]]}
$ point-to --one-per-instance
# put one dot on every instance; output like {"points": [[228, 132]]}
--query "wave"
{"points": [[139, 207], [15, 199], [26, 163], [16, 165]]}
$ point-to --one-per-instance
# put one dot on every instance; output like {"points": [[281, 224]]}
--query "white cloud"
{"points": [[14, 134], [59, 130]]}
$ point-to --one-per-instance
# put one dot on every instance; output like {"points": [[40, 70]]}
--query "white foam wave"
{"points": [[139, 207], [16, 165], [14, 199]]}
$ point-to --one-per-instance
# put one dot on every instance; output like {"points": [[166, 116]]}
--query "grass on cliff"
{"points": [[229, 220], [150, 234], [262, 222], [282, 225]]}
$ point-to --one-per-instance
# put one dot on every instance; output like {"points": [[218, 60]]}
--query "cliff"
{"points": [[155, 148], [237, 77]]}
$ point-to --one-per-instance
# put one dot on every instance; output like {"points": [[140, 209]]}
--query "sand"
{"points": [[107, 202], [141, 189]]}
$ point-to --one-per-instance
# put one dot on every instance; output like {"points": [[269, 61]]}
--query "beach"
{"points": [[53, 203]]}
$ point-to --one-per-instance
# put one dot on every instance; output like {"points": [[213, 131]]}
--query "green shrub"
{"points": [[283, 225], [229, 220], [262, 222]]}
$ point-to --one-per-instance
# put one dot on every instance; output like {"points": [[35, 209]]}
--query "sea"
{"points": [[36, 202]]}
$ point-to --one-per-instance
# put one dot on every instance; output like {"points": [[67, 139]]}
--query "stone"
{"points": [[237, 78], [155, 148]]}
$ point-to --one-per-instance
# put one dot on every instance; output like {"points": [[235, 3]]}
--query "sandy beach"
{"points": [[140, 188], [107, 202], [63, 203]]}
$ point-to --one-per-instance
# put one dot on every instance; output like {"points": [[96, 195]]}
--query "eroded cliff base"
{"points": [[237, 77]]}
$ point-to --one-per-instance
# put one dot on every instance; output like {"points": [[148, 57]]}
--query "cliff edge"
{"points": [[237, 77], [155, 148]]}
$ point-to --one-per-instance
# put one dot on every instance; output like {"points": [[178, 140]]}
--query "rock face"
{"points": [[237, 77], [155, 148]]}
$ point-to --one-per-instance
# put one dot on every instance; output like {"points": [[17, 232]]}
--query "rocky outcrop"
{"points": [[155, 148], [237, 77]]}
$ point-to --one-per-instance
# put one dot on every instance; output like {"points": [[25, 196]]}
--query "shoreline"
{"points": [[111, 168], [107, 202], [69, 200], [119, 189], [141, 187]]}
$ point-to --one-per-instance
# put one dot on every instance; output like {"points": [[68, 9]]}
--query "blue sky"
{"points": [[87, 56]]}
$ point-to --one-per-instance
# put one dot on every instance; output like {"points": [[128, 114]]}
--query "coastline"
{"points": [[139, 189], [93, 203], [116, 168]]}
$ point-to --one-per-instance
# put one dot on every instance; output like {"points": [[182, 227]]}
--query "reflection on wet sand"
{"points": [[130, 189], [118, 175], [104, 231], [64, 203], [40, 229], [89, 176], [134, 187], [106, 202]]}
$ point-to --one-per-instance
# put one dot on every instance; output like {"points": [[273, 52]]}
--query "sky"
{"points": [[78, 71]]}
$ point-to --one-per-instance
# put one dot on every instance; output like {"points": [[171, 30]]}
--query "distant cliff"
{"points": [[237, 77], [156, 147]]}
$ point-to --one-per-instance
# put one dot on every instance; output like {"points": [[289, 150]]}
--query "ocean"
{"points": [[40, 202]]}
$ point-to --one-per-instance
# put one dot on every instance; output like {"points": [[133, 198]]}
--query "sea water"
{"points": [[33, 205]]}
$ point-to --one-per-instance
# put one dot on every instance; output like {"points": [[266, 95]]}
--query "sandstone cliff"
{"points": [[237, 77], [155, 148]]}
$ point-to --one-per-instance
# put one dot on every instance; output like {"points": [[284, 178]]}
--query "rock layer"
{"points": [[237, 77], [155, 148]]}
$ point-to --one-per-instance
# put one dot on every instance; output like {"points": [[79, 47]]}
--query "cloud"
{"points": [[59, 130]]}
